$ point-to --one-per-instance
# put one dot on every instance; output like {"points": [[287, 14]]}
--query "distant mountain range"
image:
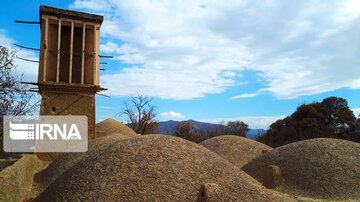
{"points": [[168, 127]]}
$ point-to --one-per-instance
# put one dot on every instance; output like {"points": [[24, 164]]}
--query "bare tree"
{"points": [[237, 128], [15, 100], [231, 128], [140, 114], [212, 130], [200, 132]]}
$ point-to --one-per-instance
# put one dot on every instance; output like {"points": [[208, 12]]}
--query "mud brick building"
{"points": [[69, 63]]}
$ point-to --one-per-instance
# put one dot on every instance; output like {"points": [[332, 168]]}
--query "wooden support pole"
{"points": [[97, 42], [95, 56], [83, 53], [71, 51], [45, 45], [58, 53], [26, 22]]}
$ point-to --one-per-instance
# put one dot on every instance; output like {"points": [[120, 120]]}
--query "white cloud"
{"points": [[106, 107], [5, 40], [254, 122], [28, 69], [95, 5], [356, 111], [187, 49], [245, 95], [171, 115], [348, 11]]}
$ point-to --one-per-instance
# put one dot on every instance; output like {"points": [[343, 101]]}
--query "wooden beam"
{"points": [[97, 42], [28, 60], [106, 56], [26, 22], [71, 51], [25, 47], [95, 57], [68, 20], [58, 53], [45, 45], [30, 83], [83, 53]]}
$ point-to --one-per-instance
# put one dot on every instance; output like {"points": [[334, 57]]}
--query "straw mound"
{"points": [[155, 168], [16, 180], [238, 150], [66, 161], [104, 128], [318, 168], [110, 126]]}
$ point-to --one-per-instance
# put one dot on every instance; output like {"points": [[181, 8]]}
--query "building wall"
{"points": [[63, 103]]}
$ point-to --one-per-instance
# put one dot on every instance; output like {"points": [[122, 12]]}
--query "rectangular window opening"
{"points": [[64, 54], [77, 54]]}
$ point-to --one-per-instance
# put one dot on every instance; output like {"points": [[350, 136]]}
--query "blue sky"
{"points": [[254, 61]]}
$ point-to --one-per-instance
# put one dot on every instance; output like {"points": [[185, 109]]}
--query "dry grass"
{"points": [[6, 162], [104, 128], [16, 180], [238, 150], [66, 161], [317, 168], [155, 168], [110, 126]]}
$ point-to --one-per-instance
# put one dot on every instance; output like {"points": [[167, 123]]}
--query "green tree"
{"points": [[281, 132], [338, 116], [329, 118]]}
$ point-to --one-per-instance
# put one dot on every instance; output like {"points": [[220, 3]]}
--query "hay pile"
{"points": [[317, 168], [104, 128], [66, 161], [238, 150], [155, 168], [16, 180], [110, 126]]}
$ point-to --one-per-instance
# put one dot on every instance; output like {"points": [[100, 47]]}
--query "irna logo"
{"points": [[41, 131], [59, 133]]}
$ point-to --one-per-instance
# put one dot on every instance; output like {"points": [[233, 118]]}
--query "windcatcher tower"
{"points": [[69, 63]]}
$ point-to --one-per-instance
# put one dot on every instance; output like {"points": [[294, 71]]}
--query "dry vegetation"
{"points": [[115, 131], [66, 161], [317, 168], [238, 150], [110, 126], [16, 180], [151, 168], [124, 166]]}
